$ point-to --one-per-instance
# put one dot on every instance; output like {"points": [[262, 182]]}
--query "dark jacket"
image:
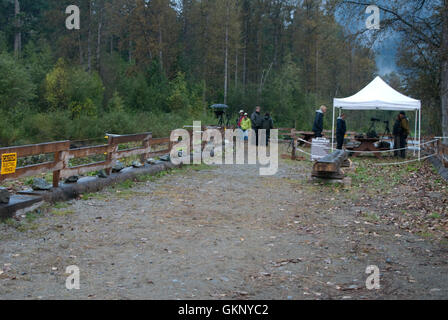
{"points": [[257, 120], [267, 123], [341, 128], [397, 131], [318, 125]]}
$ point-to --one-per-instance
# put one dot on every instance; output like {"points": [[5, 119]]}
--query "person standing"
{"points": [[397, 131], [240, 118], [246, 126], [268, 125], [318, 125], [341, 131], [257, 120], [405, 132]]}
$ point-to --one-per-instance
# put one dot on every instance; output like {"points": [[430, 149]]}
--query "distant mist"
{"points": [[386, 59]]}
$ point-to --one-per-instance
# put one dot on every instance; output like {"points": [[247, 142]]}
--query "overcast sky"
{"points": [[386, 56]]}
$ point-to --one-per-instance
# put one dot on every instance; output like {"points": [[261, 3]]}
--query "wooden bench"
{"points": [[330, 166]]}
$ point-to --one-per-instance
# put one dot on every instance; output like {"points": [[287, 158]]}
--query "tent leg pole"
{"points": [[332, 131], [420, 134], [415, 133]]}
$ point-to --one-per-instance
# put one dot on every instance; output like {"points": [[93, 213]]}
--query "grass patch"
{"points": [[129, 194], [30, 217], [198, 167], [23, 226], [425, 235], [372, 217], [435, 216], [381, 178], [62, 213], [93, 196], [61, 205], [125, 185], [11, 222]]}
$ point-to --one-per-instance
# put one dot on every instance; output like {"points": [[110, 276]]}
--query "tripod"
{"points": [[220, 116], [372, 130], [387, 132]]}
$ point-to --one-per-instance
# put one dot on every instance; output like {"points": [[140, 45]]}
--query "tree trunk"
{"points": [[317, 70], [98, 44], [81, 55], [89, 40], [18, 36], [111, 44], [204, 96], [160, 46], [444, 71], [245, 58], [236, 69], [226, 64], [130, 51], [350, 72]]}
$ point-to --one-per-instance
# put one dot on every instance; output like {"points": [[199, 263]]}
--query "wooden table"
{"points": [[307, 136], [367, 145]]}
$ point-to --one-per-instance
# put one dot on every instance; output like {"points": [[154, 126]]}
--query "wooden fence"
{"points": [[61, 169], [60, 166], [442, 151]]}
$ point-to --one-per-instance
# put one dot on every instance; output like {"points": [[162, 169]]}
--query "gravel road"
{"points": [[218, 233]]}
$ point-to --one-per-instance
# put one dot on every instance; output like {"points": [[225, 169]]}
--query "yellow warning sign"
{"points": [[9, 163]]}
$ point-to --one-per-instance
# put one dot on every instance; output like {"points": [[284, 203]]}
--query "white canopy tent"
{"points": [[378, 95]]}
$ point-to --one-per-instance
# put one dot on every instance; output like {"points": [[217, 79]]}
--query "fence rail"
{"points": [[60, 166], [442, 152]]}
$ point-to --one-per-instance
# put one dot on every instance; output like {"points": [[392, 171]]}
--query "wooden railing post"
{"points": [[294, 147], [170, 145], [110, 155], [147, 146], [57, 173]]}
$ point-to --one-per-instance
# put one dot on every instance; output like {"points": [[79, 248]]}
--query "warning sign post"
{"points": [[9, 163]]}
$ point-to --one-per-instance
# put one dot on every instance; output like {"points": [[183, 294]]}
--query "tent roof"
{"points": [[378, 95]]}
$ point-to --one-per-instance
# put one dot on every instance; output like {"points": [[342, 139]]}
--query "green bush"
{"points": [[16, 87]]}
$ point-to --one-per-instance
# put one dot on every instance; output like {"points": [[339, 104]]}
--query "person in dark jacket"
{"points": [[405, 132], [341, 131], [257, 120], [397, 133], [318, 125], [267, 124]]}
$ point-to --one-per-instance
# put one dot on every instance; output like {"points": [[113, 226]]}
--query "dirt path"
{"points": [[219, 233]]}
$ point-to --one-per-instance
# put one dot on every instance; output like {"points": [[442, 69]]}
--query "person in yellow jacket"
{"points": [[246, 126]]}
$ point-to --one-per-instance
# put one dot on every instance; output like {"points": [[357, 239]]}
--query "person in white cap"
{"points": [[240, 118]]}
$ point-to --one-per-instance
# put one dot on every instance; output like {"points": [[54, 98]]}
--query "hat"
{"points": [[403, 113], [242, 111], [246, 114]]}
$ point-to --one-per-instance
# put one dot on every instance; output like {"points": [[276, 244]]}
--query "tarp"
{"points": [[219, 106], [378, 95]]}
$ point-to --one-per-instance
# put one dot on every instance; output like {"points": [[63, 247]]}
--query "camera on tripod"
{"points": [[220, 113], [371, 134]]}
